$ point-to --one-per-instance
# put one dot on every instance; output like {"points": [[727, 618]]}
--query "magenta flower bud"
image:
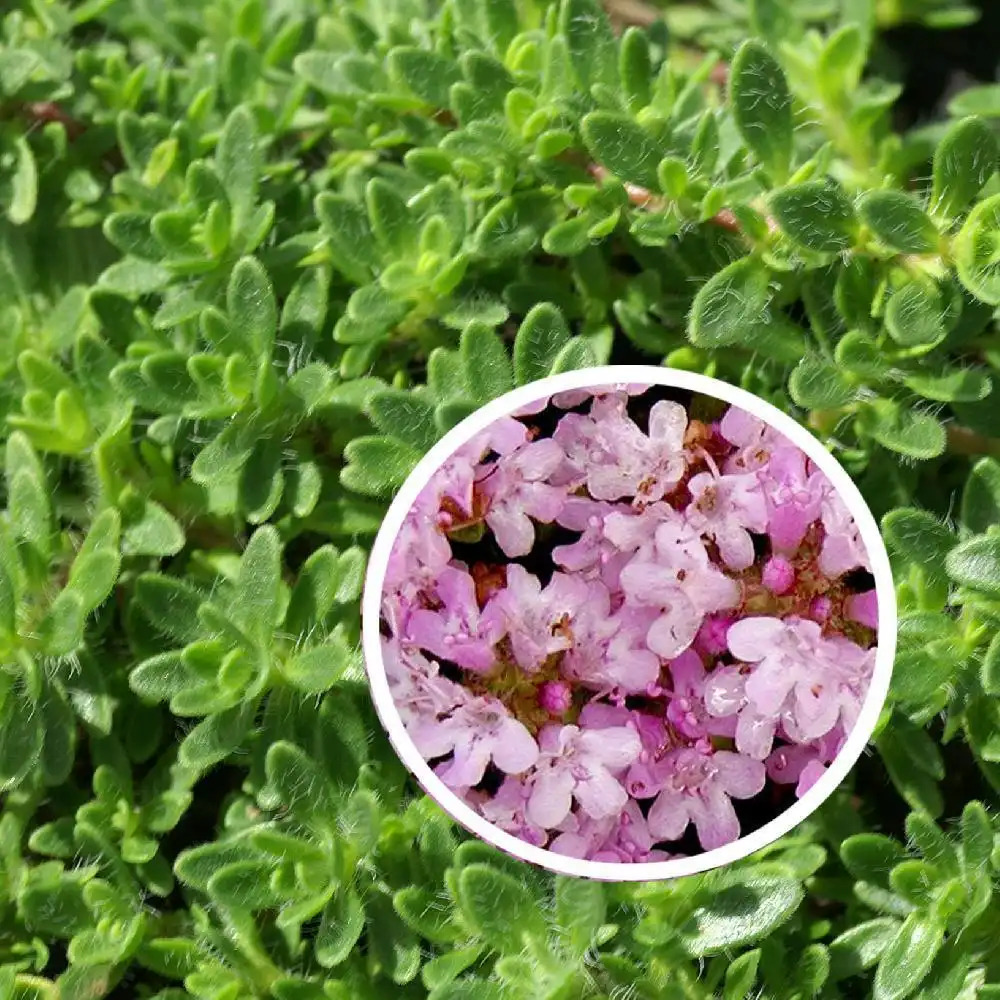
{"points": [[711, 638], [778, 575], [863, 608], [820, 609], [555, 697]]}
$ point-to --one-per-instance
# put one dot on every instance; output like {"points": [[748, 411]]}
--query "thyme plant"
{"points": [[254, 259]]}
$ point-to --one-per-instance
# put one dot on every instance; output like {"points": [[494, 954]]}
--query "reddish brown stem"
{"points": [[643, 198], [46, 112]]}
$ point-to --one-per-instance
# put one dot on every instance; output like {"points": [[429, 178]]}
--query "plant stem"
{"points": [[963, 441]]}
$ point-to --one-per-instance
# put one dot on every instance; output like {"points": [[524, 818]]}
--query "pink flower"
{"points": [[458, 631], [517, 491], [504, 436], [418, 691], [792, 490], [727, 509], [608, 651], [676, 575], [755, 440], [537, 622], [726, 699], [687, 710], [574, 397], [863, 608], [507, 810], [420, 550], [593, 554], [618, 630], [699, 789], [580, 764], [804, 763], [843, 548], [615, 459], [630, 840], [476, 732], [812, 682]]}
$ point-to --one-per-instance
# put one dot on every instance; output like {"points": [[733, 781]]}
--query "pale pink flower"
{"points": [[538, 622], [726, 509], [699, 788], [580, 764], [476, 732], [517, 492], [843, 548], [676, 575], [457, 631]]}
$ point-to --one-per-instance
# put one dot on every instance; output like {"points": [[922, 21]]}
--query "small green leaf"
{"points": [[499, 908], [392, 223], [978, 838], [425, 915], [899, 222], [592, 46], [216, 737], [316, 670], [966, 385], [976, 564], [904, 430], [869, 857], [298, 785], [918, 538], [160, 677], [624, 147], [252, 307], [982, 100], [376, 466], [762, 106], [244, 885], [341, 926], [21, 739], [990, 675], [739, 910], [93, 575], [581, 908], [258, 583], [575, 355], [908, 957], [976, 250], [981, 496], [404, 415], [860, 948], [485, 362], [731, 306], [22, 193], [238, 161], [152, 532], [538, 342], [816, 215], [429, 75], [741, 976], [964, 161], [818, 384], [914, 315]]}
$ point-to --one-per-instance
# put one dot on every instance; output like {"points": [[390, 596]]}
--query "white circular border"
{"points": [[605, 870]]}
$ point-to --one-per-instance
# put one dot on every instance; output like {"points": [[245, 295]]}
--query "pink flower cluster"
{"points": [[619, 631]]}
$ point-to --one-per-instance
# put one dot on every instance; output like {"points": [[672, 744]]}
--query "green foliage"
{"points": [[255, 259]]}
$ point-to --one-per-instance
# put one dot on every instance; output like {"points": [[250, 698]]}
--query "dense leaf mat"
{"points": [[254, 259]]}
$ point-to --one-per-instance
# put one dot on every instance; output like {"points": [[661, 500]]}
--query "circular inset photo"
{"points": [[629, 623]]}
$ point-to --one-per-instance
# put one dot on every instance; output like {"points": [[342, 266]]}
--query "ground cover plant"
{"points": [[629, 624], [254, 258]]}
